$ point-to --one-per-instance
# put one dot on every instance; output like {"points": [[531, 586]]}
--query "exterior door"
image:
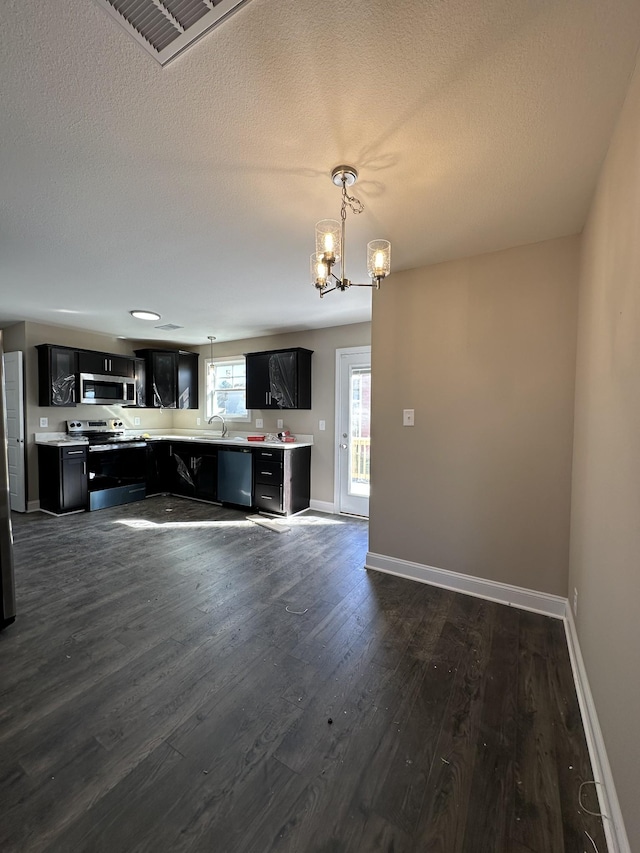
{"points": [[353, 443], [15, 429]]}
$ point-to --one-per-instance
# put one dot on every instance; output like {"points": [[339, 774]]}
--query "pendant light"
{"points": [[331, 239]]}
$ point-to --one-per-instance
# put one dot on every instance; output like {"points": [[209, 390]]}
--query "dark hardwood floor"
{"points": [[170, 679]]}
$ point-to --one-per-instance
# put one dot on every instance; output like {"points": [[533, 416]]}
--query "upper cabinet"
{"points": [[170, 378], [106, 364], [57, 372], [279, 379], [60, 369]]}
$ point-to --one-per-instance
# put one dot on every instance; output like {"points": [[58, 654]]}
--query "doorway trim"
{"points": [[14, 398], [362, 349]]}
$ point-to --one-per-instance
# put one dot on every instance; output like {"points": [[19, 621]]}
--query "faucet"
{"points": [[224, 426]]}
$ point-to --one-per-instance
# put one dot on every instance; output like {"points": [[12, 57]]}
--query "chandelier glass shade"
{"points": [[331, 248]]}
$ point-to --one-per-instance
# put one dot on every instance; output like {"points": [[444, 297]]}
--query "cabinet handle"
{"points": [[264, 453], [84, 468], [266, 497], [75, 452], [267, 473]]}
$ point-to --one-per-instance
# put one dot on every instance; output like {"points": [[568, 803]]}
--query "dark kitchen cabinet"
{"points": [[106, 364], [57, 375], [194, 470], [171, 378], [140, 374], [279, 379], [158, 478], [63, 478], [282, 479], [188, 380]]}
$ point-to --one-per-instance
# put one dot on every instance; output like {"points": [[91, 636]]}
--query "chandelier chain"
{"points": [[354, 204]]}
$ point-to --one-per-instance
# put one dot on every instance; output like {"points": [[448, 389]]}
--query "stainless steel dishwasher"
{"points": [[235, 475]]}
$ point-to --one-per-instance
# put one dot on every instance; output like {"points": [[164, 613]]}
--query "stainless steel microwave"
{"points": [[107, 390]]}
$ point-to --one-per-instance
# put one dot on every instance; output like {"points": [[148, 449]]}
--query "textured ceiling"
{"points": [[193, 190]]}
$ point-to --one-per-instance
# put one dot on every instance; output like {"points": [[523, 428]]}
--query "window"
{"points": [[226, 388]]}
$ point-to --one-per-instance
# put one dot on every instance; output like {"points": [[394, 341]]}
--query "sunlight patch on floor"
{"points": [[145, 524]]}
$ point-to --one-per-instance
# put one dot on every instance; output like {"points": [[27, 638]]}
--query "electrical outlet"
{"points": [[197, 421], [280, 423], [408, 417], [575, 601], [259, 423], [322, 425], [136, 421], [44, 422]]}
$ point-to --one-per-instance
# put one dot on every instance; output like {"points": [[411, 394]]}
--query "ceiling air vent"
{"points": [[167, 27], [169, 327]]}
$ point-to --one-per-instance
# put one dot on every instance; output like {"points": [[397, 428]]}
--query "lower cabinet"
{"points": [[63, 479], [193, 470], [282, 479], [280, 482], [158, 468]]}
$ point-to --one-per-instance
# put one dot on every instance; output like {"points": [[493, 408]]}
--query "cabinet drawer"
{"points": [[73, 452], [268, 472], [268, 497], [268, 455]]}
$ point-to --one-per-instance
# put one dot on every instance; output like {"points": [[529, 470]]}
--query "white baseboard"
{"points": [[615, 831], [322, 506], [504, 593]]}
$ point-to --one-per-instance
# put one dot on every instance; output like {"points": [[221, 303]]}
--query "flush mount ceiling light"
{"points": [[330, 243], [145, 315]]}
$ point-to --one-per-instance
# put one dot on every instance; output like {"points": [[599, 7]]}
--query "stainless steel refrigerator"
{"points": [[7, 588]]}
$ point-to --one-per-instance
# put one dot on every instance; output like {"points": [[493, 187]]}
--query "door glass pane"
{"points": [[360, 442]]}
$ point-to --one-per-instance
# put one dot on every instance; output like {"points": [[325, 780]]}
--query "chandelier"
{"points": [[330, 243]]}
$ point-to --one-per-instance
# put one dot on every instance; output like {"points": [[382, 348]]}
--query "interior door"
{"points": [[15, 429], [353, 417]]}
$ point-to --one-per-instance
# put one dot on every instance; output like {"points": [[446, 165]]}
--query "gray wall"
{"points": [[605, 520], [484, 350]]}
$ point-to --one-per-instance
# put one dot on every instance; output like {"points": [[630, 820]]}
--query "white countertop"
{"points": [[239, 441], [58, 439], [61, 439]]}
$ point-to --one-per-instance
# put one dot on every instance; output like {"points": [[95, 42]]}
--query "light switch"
{"points": [[322, 425], [44, 422], [259, 423], [408, 417], [136, 421], [280, 423]]}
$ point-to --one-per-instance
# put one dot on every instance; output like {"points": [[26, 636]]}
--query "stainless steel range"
{"points": [[116, 462]]}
